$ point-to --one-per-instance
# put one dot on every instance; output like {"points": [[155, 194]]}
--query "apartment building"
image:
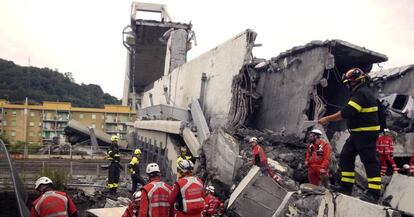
{"points": [[46, 122]]}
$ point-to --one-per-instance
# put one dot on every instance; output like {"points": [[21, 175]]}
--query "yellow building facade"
{"points": [[43, 123]]}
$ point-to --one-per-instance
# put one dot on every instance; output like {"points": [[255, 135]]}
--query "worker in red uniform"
{"points": [[188, 192], [213, 206], [385, 151], [52, 203], [155, 195], [133, 207], [318, 154], [260, 160]]}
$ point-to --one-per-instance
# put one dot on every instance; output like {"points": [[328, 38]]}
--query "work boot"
{"points": [[341, 189], [370, 197]]}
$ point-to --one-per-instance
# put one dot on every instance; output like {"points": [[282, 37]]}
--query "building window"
{"points": [[40, 124], [102, 126], [31, 114], [81, 116], [31, 124], [13, 133], [13, 123], [102, 117], [4, 123], [93, 126], [93, 116], [14, 113], [31, 134]]}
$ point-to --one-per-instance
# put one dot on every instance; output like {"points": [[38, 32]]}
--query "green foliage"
{"points": [[4, 138], [59, 177], [18, 82]]}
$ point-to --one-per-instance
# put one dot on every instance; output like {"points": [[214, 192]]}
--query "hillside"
{"points": [[44, 84]]}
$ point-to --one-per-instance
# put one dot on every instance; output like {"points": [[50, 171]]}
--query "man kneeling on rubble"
{"points": [[260, 160], [318, 154]]}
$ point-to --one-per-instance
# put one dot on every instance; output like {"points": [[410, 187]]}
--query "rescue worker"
{"points": [[113, 170], [187, 192], [405, 170], [385, 151], [133, 168], [318, 154], [361, 113], [183, 155], [213, 206], [133, 207], [260, 160], [51, 202], [155, 195]]}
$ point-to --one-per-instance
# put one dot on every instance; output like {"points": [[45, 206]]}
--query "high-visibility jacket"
{"points": [[259, 157], [361, 111], [133, 165], [318, 155], [384, 145], [213, 205], [113, 154], [53, 203], [181, 158], [132, 209], [154, 200], [188, 193]]}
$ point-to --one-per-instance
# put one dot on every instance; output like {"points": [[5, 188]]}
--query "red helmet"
{"points": [[354, 74]]}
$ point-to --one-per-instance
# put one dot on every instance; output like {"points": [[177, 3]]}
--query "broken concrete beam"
{"points": [[401, 189], [222, 153], [258, 193]]}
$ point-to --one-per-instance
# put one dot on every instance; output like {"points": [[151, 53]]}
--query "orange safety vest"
{"points": [[52, 203], [158, 193], [191, 189]]}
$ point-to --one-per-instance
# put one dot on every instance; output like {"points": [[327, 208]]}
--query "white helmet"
{"points": [[152, 167], [137, 195], [386, 130], [185, 165], [42, 181], [210, 188], [252, 139], [317, 132], [406, 166]]}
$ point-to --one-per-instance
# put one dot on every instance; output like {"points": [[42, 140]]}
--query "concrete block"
{"points": [[401, 188]]}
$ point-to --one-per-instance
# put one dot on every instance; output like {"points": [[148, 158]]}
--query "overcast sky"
{"points": [[84, 36]]}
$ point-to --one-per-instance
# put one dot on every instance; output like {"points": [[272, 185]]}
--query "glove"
{"points": [[322, 171]]}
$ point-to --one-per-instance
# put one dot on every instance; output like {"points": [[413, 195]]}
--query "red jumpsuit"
{"points": [[213, 206], [132, 209], [385, 149], [260, 160], [53, 203], [188, 193], [154, 199], [317, 159]]}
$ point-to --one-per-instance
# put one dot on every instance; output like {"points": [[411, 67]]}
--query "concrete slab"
{"points": [[107, 212], [173, 127], [401, 188]]}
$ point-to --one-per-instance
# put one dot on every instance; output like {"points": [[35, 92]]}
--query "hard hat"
{"points": [[406, 166], [210, 188], [42, 181], [252, 139], [317, 132], [386, 130], [137, 195], [137, 151], [152, 167], [354, 74], [114, 138], [185, 165]]}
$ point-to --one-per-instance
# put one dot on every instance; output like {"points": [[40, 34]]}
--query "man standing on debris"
{"points": [[385, 151], [155, 195], [113, 171], [133, 207], [133, 167], [187, 192], [52, 203], [318, 154], [361, 113], [260, 160], [213, 206]]}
